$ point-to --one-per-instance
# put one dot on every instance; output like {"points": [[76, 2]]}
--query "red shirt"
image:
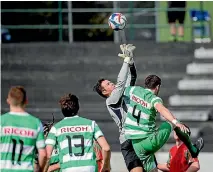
{"points": [[180, 159], [98, 151], [99, 156]]}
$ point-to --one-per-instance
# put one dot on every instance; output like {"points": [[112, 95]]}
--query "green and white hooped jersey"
{"points": [[75, 137], [141, 115], [21, 134], [54, 157]]}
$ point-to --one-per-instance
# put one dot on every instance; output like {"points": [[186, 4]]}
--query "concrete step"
{"points": [[96, 112], [191, 100], [195, 84], [199, 68], [190, 108], [90, 106], [64, 50], [202, 60], [203, 53], [199, 76], [91, 64], [195, 92], [53, 94], [190, 115], [93, 74], [46, 76], [199, 124], [82, 76], [200, 129]]}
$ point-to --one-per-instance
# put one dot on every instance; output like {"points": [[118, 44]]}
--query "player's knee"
{"points": [[137, 169], [154, 170], [135, 166], [167, 126]]}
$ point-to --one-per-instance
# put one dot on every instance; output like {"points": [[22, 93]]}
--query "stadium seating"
{"points": [[50, 70], [194, 100]]}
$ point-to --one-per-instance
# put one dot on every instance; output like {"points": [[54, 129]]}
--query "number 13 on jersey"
{"points": [[81, 144]]}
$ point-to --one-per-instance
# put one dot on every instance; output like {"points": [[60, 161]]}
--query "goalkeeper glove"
{"points": [[127, 53]]}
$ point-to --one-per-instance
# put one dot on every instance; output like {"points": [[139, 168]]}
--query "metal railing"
{"points": [[70, 26]]}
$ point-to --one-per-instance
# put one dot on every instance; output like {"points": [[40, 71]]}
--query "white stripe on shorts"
{"points": [[7, 165]]}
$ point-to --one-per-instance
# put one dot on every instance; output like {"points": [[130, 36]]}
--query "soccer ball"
{"points": [[117, 21]]}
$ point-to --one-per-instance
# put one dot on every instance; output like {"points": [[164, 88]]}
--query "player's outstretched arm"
{"points": [[163, 167], [194, 167], [132, 74], [168, 116], [106, 153], [123, 74], [164, 112]]}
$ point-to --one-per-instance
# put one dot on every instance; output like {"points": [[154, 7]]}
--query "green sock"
{"points": [[172, 38], [180, 38], [186, 140]]}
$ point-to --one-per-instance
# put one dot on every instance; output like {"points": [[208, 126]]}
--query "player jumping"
{"points": [[116, 105], [74, 136], [21, 135], [140, 124], [180, 159]]}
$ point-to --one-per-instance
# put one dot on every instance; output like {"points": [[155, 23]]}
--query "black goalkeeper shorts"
{"points": [[130, 157]]}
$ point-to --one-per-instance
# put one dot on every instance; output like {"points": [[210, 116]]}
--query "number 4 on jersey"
{"points": [[136, 116]]}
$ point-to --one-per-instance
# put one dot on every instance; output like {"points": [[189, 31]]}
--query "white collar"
{"points": [[148, 89], [18, 113], [71, 117]]}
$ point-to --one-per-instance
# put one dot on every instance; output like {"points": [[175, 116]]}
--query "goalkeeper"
{"points": [[140, 124], [116, 105]]}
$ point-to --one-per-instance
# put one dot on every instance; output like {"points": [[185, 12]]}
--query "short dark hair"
{"points": [[69, 105], [18, 95], [152, 81], [97, 87]]}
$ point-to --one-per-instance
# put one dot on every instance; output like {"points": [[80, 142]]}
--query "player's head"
{"points": [[153, 82], [69, 105], [104, 87], [176, 137], [17, 96]]}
